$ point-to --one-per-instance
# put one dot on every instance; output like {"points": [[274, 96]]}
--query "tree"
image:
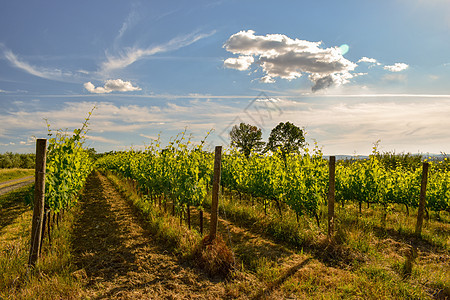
{"points": [[247, 138], [286, 138]]}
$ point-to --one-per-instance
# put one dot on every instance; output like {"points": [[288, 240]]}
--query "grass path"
{"points": [[14, 184], [119, 259]]}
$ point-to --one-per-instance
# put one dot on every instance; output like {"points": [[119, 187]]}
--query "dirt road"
{"points": [[11, 185]]}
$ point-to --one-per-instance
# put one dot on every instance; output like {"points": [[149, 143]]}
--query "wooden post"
{"points": [[215, 192], [423, 190], [189, 216], [331, 194], [39, 193], [201, 221]]}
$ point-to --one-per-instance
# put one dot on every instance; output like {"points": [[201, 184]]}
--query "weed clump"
{"points": [[214, 257]]}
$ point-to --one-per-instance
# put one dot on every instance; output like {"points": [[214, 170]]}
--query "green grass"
{"points": [[365, 262], [10, 174], [380, 252]]}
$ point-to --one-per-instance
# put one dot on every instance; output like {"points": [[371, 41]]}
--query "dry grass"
{"points": [[215, 257], [51, 279]]}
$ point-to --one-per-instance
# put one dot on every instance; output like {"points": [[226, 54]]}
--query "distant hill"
{"points": [[428, 156]]}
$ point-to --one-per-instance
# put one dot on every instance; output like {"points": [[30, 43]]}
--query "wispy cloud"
{"points": [[409, 125], [132, 55], [52, 74], [101, 139], [131, 20]]}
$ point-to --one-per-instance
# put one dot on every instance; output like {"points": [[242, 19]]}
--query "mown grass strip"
{"points": [[10, 174], [165, 227]]}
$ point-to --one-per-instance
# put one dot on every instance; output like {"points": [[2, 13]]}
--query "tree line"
{"points": [[10, 160]]}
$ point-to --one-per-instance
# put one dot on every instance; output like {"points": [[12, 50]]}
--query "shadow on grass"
{"points": [[276, 284], [98, 239], [13, 205]]}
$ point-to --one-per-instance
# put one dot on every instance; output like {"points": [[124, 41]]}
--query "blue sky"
{"points": [[349, 72]]}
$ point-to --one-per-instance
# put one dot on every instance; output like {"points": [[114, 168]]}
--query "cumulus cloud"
{"points": [[111, 85], [240, 63], [369, 60], [286, 58], [397, 67]]}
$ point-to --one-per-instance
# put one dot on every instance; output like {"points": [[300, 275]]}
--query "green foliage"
{"points": [[373, 181], [68, 165], [300, 183], [286, 138], [180, 171], [247, 138], [392, 160], [15, 160]]}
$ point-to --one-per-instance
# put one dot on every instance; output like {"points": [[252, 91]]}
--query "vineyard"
{"points": [[272, 222], [181, 174]]}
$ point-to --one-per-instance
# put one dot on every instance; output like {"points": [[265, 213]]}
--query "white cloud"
{"points": [[323, 82], [150, 137], [267, 79], [369, 60], [240, 63], [102, 139], [397, 67], [394, 77], [111, 85], [129, 22], [286, 58], [132, 55], [52, 74], [404, 122]]}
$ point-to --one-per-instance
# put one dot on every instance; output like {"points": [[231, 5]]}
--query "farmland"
{"points": [[139, 227]]}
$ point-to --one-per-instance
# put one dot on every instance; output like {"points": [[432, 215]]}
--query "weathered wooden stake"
{"points": [[189, 216], [331, 193], [201, 222], [423, 190], [48, 229], [39, 193], [215, 192], [44, 221]]}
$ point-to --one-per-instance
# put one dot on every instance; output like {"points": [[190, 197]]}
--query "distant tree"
{"points": [[286, 138], [92, 153], [247, 138]]}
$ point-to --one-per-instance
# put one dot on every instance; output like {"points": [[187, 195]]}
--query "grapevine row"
{"points": [[182, 172], [68, 165]]}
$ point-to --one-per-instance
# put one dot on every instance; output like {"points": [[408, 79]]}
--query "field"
{"points": [[117, 244], [135, 225]]}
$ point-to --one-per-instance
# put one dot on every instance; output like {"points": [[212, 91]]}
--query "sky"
{"points": [[350, 73]]}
